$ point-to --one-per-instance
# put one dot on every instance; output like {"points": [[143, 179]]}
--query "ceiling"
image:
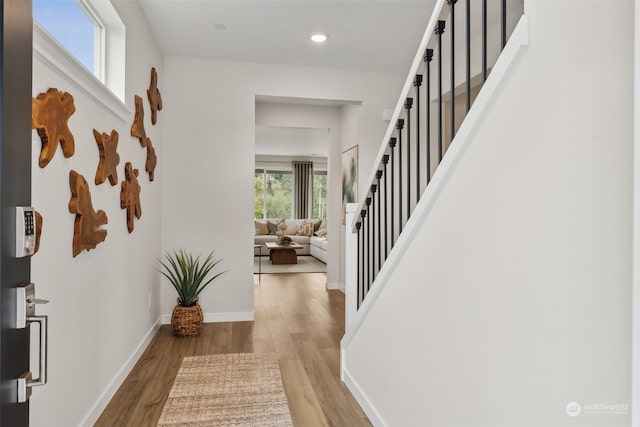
{"points": [[364, 35], [371, 35]]}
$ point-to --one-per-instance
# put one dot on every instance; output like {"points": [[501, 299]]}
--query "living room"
{"points": [[292, 182]]}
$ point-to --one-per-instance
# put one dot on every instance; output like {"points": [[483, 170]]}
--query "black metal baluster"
{"points": [[399, 127], [374, 188], [428, 57], [365, 244], [367, 202], [408, 105], [453, 69], [484, 40], [468, 76], [503, 24], [378, 177], [439, 31], [360, 280], [417, 82], [385, 160], [392, 144]]}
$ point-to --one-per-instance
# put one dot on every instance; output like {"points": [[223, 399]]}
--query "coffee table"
{"points": [[283, 254]]}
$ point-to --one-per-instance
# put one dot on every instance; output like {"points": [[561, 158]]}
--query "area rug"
{"points": [[238, 389], [306, 264]]}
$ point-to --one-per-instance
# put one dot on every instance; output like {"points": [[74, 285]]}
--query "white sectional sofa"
{"points": [[318, 247], [301, 231]]}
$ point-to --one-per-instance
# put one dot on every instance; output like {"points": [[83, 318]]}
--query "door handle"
{"points": [[43, 350]]}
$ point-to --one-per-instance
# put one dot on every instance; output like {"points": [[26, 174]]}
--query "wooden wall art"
{"points": [[87, 231], [130, 195], [137, 128], [109, 157], [152, 160], [50, 113], [38, 231], [155, 99]]}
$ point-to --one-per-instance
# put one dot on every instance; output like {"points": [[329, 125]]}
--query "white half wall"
{"points": [[210, 153], [104, 305], [514, 297]]}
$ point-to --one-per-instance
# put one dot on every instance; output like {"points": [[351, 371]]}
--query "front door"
{"points": [[16, 26]]}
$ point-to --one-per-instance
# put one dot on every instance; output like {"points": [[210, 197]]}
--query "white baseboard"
{"points": [[335, 286], [95, 412], [239, 316], [362, 399]]}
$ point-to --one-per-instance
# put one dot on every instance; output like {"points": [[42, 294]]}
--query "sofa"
{"points": [[309, 233]]}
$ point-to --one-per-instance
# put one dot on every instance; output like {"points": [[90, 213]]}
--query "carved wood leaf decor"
{"points": [[130, 195], [137, 128], [50, 113], [155, 99], [87, 231], [109, 157], [39, 221], [152, 160]]}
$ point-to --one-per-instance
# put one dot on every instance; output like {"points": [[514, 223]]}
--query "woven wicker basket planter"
{"points": [[187, 321]]}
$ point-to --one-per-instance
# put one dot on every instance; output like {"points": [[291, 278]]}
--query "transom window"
{"points": [[76, 27]]}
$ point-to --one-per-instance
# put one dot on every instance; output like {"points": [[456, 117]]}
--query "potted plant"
{"points": [[189, 276]]}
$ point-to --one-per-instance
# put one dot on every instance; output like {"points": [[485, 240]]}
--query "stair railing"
{"points": [[422, 129]]}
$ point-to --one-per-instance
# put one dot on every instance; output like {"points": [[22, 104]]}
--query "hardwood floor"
{"points": [[295, 317]]}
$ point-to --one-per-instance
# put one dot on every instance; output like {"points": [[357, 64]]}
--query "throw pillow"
{"points": [[273, 227], [322, 232], [262, 229], [291, 231], [307, 229], [317, 225]]}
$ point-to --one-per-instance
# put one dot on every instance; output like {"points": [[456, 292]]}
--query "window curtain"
{"points": [[302, 189]]}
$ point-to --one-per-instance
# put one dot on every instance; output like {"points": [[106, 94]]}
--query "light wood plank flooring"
{"points": [[295, 317]]}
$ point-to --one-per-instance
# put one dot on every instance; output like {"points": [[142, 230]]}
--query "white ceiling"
{"points": [[371, 35]]}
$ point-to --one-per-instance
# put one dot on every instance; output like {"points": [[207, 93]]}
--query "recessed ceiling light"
{"points": [[319, 38]]}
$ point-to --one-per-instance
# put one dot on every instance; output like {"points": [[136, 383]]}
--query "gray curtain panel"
{"points": [[302, 189]]}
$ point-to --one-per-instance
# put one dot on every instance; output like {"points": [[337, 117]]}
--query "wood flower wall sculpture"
{"points": [[87, 231], [152, 160], [130, 195], [137, 128], [109, 157], [50, 114], [39, 222], [155, 100]]}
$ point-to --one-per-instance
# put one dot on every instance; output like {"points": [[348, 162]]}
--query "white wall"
{"points": [[514, 297], [209, 158], [99, 313]]}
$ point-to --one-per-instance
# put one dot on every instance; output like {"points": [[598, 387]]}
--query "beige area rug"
{"points": [[238, 389], [306, 264]]}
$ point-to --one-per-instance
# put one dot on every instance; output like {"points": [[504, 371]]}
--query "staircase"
{"points": [[495, 289], [460, 49], [467, 53]]}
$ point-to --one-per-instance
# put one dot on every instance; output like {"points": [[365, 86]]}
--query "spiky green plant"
{"points": [[188, 275]]}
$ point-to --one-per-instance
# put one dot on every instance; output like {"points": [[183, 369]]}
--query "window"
{"points": [[73, 24], [82, 38], [273, 194], [319, 194]]}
